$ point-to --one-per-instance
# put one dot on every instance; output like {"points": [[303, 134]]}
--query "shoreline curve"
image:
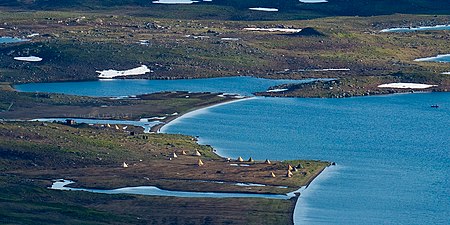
{"points": [[161, 128], [295, 195]]}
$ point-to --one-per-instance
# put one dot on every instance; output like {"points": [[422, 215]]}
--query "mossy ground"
{"points": [[20, 105], [194, 48], [34, 153], [26, 201], [183, 42]]}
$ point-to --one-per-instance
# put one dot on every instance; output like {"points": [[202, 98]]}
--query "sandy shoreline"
{"points": [[158, 128], [295, 195]]}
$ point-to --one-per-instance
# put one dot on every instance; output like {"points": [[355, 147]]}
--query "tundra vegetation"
{"points": [[207, 39]]}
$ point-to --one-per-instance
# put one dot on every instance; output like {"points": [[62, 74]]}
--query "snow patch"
{"points": [[144, 42], [313, 1], [277, 90], [33, 35], [29, 59], [114, 73], [264, 9], [174, 2], [403, 29], [406, 85], [287, 30], [230, 39]]}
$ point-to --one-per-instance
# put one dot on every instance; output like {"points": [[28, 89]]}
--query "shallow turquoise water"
{"points": [[392, 152], [118, 87]]}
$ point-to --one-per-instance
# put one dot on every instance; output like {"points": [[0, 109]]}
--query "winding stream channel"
{"points": [[155, 191]]}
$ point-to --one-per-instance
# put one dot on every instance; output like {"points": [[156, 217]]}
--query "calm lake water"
{"points": [[117, 87], [393, 152]]}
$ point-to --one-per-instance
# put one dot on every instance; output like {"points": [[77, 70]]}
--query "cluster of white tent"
{"points": [[174, 155], [196, 153], [116, 127], [289, 172]]}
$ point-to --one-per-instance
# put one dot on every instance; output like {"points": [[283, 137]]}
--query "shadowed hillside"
{"points": [[238, 9]]}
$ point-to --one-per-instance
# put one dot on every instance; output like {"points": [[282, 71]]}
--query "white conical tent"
{"points": [[250, 160], [183, 152], [290, 167], [197, 153], [200, 162], [289, 174], [124, 165], [240, 159], [267, 162], [174, 155], [272, 174]]}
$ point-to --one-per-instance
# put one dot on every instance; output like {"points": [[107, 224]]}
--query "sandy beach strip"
{"points": [[160, 128]]}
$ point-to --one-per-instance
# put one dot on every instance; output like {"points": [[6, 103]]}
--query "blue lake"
{"points": [[11, 40], [114, 88], [392, 152]]}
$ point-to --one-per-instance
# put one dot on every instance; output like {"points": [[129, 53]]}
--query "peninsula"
{"points": [[347, 46]]}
